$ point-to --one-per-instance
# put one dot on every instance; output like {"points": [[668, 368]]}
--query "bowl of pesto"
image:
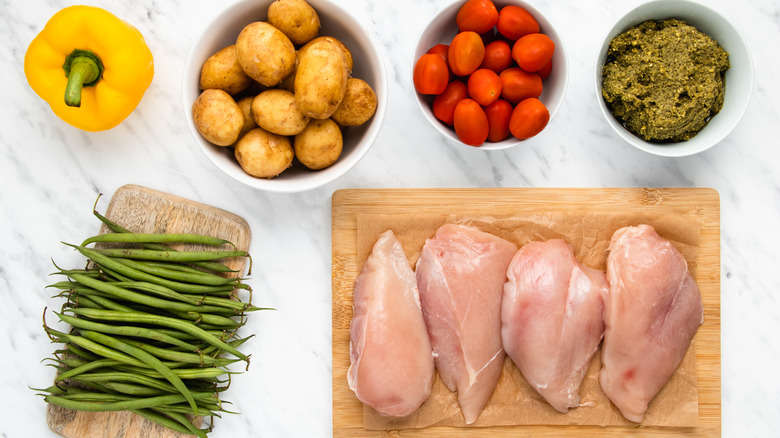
{"points": [[673, 77]]}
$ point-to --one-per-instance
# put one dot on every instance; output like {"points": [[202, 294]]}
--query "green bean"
{"points": [[69, 362], [202, 373], [111, 264], [127, 388], [72, 392], [81, 352], [113, 226], [129, 295], [86, 367], [182, 267], [65, 285], [206, 300], [229, 303], [208, 321], [178, 424], [143, 318], [200, 358], [170, 255], [105, 302], [155, 289], [54, 389], [197, 239], [59, 368], [136, 307], [204, 409], [70, 389], [202, 278], [214, 266], [94, 273], [102, 350], [93, 396], [123, 405], [122, 330], [184, 336], [207, 374], [83, 301], [113, 275], [234, 343], [143, 356], [215, 352], [108, 364]]}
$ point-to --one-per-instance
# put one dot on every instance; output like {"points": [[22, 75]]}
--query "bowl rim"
{"points": [[738, 107], [561, 56], [312, 180]]}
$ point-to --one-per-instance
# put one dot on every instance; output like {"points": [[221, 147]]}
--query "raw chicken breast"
{"points": [[652, 312], [461, 274], [552, 319], [391, 360]]}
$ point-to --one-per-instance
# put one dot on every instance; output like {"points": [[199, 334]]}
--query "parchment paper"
{"points": [[514, 402]]}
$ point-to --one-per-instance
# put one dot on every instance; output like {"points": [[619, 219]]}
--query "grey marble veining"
{"points": [[51, 173]]}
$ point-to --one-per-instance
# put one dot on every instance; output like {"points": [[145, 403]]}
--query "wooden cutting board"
{"points": [[140, 209], [702, 204]]}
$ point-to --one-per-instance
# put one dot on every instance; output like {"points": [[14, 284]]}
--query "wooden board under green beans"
{"points": [[157, 317]]}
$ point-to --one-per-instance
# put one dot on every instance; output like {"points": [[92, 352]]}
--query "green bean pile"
{"points": [[153, 329]]}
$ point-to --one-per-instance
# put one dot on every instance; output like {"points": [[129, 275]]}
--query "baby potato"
{"points": [[358, 106], [265, 53], [245, 104], [295, 18], [321, 80], [275, 111], [222, 71], [319, 145], [217, 117], [263, 154], [347, 53]]}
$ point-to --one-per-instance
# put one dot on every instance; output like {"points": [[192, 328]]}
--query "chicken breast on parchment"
{"points": [[652, 312], [391, 360], [461, 274], [552, 319]]}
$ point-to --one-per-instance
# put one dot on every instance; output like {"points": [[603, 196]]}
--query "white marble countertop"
{"points": [[51, 173]]}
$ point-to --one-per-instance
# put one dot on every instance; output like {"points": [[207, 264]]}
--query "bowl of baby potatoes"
{"points": [[284, 95]]}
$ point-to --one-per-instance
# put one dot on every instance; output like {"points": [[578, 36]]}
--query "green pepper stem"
{"points": [[83, 69]]}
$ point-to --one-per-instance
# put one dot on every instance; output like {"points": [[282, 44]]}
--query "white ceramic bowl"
{"points": [[442, 29], [368, 65], [739, 77]]}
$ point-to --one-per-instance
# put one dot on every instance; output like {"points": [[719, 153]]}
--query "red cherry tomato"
{"points": [[440, 49], [484, 86], [498, 56], [544, 73], [515, 22], [498, 114], [471, 123], [528, 118], [466, 53], [444, 104], [533, 51], [517, 84], [477, 15], [430, 74]]}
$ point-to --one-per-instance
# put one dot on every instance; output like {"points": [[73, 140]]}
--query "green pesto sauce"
{"points": [[664, 80]]}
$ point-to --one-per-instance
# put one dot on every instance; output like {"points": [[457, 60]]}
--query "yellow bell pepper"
{"points": [[90, 66]]}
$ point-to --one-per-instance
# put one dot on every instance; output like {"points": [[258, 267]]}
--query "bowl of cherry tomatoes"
{"points": [[489, 73]]}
